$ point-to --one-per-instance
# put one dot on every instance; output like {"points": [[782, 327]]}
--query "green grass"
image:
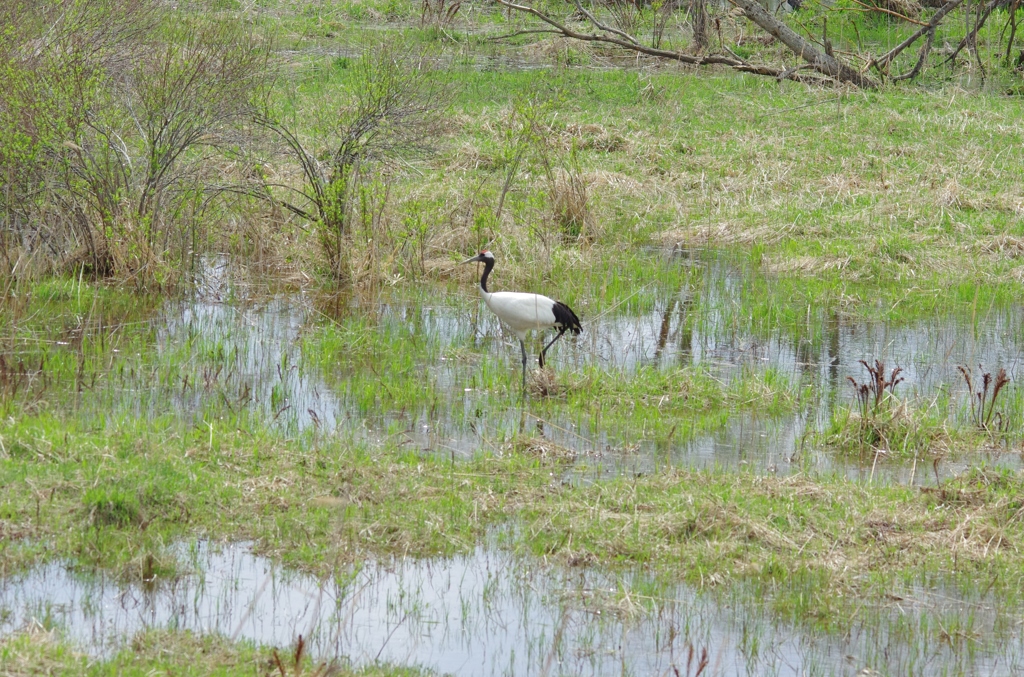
{"points": [[169, 652], [871, 228]]}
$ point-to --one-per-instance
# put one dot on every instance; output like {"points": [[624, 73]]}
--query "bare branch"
{"points": [[261, 192], [1011, 23], [920, 59], [973, 34], [882, 62], [790, 71], [601, 26], [518, 33], [731, 61]]}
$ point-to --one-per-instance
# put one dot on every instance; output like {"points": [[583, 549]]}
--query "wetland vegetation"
{"points": [[247, 393]]}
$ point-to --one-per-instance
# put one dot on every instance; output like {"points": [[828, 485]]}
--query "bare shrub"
{"points": [[146, 159], [439, 13], [120, 110], [662, 10], [627, 15], [53, 57], [389, 111]]}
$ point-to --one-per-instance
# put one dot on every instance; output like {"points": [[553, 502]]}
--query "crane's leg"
{"points": [[558, 336], [522, 347]]}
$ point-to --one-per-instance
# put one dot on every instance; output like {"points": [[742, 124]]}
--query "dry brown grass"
{"points": [[591, 137], [34, 651], [740, 523], [467, 157], [542, 449], [615, 183], [544, 382], [804, 265], [570, 206], [722, 234], [1002, 245], [557, 50]]}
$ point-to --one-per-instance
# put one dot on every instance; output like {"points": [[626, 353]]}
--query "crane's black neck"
{"points": [[488, 266]]}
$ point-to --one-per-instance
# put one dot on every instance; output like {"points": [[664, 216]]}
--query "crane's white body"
{"points": [[521, 311]]}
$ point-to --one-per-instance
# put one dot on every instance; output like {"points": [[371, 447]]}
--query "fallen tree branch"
{"points": [[732, 60], [516, 34], [789, 71], [881, 64], [632, 45], [826, 64]]}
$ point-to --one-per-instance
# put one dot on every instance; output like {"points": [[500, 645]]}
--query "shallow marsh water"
{"points": [[492, 613], [237, 349]]}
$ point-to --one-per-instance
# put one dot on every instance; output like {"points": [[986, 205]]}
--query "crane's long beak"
{"points": [[475, 258]]}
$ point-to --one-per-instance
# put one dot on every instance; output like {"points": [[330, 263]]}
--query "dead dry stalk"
{"points": [[439, 13], [297, 660], [983, 401], [871, 394]]}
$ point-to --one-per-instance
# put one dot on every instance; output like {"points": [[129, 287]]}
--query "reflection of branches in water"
{"points": [[832, 330], [685, 331], [666, 321], [556, 642], [390, 635]]}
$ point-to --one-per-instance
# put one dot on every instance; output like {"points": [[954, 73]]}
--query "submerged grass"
{"points": [[816, 547]]}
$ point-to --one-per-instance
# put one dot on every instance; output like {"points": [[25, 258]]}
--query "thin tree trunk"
{"points": [[699, 20]]}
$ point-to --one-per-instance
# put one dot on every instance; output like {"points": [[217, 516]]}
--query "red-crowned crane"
{"points": [[523, 312]]}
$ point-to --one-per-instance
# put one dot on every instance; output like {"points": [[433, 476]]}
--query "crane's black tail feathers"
{"points": [[565, 318]]}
